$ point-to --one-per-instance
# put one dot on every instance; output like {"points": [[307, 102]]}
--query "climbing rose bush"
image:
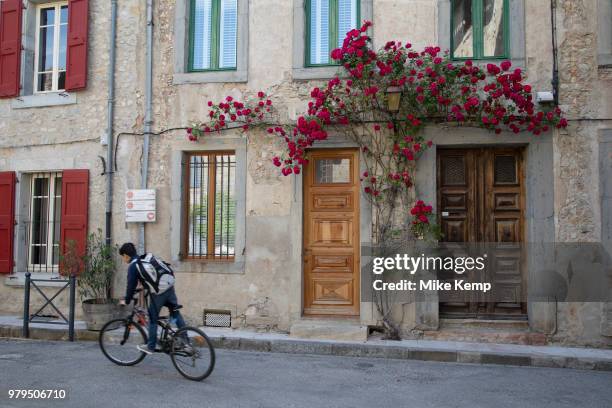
{"points": [[231, 114], [433, 89]]}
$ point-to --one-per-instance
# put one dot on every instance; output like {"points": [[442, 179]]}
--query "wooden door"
{"points": [[331, 233], [481, 200]]}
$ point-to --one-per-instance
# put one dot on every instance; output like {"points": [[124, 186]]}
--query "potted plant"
{"points": [[95, 271]]}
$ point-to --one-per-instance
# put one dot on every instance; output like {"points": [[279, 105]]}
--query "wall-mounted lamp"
{"points": [[394, 96]]}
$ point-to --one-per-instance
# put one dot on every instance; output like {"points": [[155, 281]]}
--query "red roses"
{"points": [[420, 213]]}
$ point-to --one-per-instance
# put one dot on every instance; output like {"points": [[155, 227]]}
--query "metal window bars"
{"points": [[42, 229], [211, 212]]}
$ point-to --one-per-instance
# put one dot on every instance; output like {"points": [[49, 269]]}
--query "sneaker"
{"points": [[144, 348]]}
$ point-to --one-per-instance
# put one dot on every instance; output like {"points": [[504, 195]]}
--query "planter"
{"points": [[99, 311]]}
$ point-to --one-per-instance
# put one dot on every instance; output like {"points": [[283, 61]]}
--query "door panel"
{"points": [[331, 233], [481, 199], [504, 203]]}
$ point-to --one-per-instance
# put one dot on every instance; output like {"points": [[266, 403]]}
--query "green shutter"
{"points": [[216, 27], [333, 27], [478, 31]]}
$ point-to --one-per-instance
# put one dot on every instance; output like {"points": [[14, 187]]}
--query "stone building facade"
{"points": [[567, 173]]}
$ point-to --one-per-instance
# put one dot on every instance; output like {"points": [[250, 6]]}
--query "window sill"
{"points": [[604, 60], [43, 100], [327, 72], [209, 266], [209, 77], [482, 63], [18, 279]]}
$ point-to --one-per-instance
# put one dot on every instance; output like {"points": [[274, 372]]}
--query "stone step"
{"points": [[485, 325], [329, 329], [486, 331]]}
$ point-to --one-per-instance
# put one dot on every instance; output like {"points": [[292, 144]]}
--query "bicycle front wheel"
{"points": [[118, 340], [192, 353]]}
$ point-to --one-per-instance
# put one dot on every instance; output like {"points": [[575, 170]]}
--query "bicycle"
{"points": [[187, 347]]}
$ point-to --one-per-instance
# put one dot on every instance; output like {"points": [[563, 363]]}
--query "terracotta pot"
{"points": [[99, 311]]}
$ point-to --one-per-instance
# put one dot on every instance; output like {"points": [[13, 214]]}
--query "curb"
{"points": [[407, 353], [318, 347]]}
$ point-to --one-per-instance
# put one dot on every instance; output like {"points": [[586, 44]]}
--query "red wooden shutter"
{"points": [[7, 220], [10, 47], [76, 54], [75, 200]]}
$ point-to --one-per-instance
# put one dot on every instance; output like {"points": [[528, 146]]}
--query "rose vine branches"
{"points": [[382, 100]]}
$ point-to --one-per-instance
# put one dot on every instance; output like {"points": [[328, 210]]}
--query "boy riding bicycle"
{"points": [[156, 301]]}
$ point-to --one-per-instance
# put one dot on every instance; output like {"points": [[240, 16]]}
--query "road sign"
{"points": [[140, 206]]}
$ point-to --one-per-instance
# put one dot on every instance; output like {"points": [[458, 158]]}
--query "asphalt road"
{"points": [[248, 379]]}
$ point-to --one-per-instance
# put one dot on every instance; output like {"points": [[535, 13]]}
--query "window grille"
{"points": [[211, 212], [43, 226]]}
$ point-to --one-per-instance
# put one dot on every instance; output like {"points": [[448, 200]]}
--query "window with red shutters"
{"points": [[10, 47], [75, 200], [76, 55], [7, 220]]}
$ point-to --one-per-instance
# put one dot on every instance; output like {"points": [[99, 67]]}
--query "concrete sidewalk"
{"points": [[429, 350]]}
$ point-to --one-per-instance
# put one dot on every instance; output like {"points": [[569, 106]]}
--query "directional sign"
{"points": [[140, 216], [143, 205], [140, 206], [140, 194]]}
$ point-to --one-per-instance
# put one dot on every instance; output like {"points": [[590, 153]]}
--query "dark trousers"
{"points": [[156, 302]]}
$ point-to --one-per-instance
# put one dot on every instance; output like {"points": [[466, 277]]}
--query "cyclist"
{"points": [[156, 302]]}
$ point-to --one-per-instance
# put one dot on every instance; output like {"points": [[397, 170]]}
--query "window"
{"points": [[43, 226], [213, 35], [210, 212], [327, 23], [479, 29], [50, 51], [604, 33], [330, 171]]}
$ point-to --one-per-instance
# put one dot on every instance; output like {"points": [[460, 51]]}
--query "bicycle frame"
{"points": [[167, 333]]}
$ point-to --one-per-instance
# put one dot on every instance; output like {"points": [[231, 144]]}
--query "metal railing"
{"points": [[37, 316]]}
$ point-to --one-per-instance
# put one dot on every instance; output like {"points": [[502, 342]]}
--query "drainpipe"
{"points": [[148, 121], [555, 74], [109, 126]]}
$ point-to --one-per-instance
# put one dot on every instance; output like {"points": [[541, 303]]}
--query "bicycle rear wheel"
{"points": [[118, 340], [192, 353]]}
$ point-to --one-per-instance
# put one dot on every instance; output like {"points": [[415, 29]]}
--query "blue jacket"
{"points": [[132, 281]]}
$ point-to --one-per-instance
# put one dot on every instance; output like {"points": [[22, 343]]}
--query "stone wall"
{"points": [[55, 137]]}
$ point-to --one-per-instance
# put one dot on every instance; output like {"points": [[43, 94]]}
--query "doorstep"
{"points": [[329, 329], [427, 350]]}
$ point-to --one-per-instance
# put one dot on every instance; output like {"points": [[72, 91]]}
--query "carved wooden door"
{"points": [[481, 201], [331, 233]]}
